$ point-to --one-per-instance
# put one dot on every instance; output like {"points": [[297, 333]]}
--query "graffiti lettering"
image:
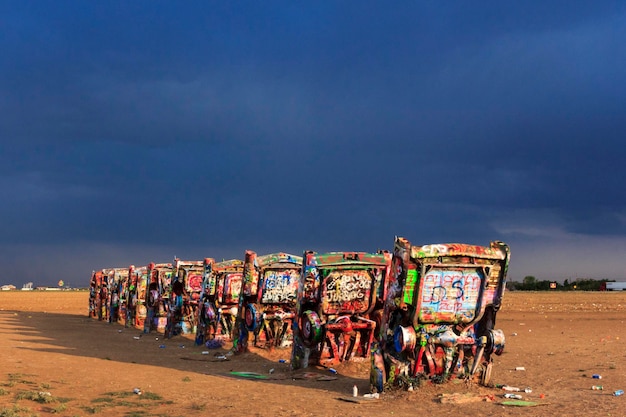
{"points": [[450, 292], [342, 287], [280, 286]]}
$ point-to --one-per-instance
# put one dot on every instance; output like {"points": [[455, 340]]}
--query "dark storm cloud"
{"points": [[207, 128]]}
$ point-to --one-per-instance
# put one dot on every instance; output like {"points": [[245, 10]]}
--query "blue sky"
{"points": [[133, 132]]}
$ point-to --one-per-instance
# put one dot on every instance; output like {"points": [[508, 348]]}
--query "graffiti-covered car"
{"points": [[339, 306], [190, 274], [136, 309], [267, 303], [218, 306], [115, 278], [157, 296], [96, 305], [439, 314]]}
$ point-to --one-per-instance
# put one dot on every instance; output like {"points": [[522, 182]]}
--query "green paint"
{"points": [[409, 286]]}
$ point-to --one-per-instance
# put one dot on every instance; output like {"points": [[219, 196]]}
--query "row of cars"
{"points": [[418, 312]]}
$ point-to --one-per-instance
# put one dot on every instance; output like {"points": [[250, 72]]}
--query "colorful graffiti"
{"points": [[338, 322], [448, 329], [421, 312], [449, 295], [280, 286], [347, 291], [218, 304], [268, 301]]}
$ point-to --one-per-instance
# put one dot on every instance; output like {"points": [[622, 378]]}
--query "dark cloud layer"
{"points": [[134, 132]]}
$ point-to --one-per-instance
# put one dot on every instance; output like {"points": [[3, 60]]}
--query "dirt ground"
{"points": [[56, 360]]}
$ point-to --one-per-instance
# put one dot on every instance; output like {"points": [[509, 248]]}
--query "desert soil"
{"points": [[56, 360]]}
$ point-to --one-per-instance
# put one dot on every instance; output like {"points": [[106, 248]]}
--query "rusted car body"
{"points": [[339, 305], [159, 280], [267, 304], [114, 279], [218, 306], [136, 292], [439, 314], [190, 273], [96, 304]]}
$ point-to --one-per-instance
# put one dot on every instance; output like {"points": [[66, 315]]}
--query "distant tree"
{"points": [[529, 283]]}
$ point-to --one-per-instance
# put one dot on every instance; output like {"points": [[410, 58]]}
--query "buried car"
{"points": [[157, 296], [267, 303], [190, 274], [115, 279], [218, 305], [339, 305], [439, 314]]}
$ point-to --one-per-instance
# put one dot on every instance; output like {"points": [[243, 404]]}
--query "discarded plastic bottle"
{"points": [[162, 346], [282, 360], [596, 376], [597, 388], [618, 392], [355, 391], [513, 396], [520, 368], [528, 390], [508, 388], [137, 391], [332, 370]]}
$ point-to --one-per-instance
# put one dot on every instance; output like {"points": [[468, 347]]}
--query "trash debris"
{"points": [[181, 346], [374, 395], [521, 403], [358, 400], [205, 352], [271, 371], [513, 396], [596, 376], [520, 368], [332, 370], [508, 388], [463, 398], [221, 357], [214, 343], [618, 392], [251, 375], [161, 346], [283, 361], [136, 337], [355, 391], [597, 387], [137, 391]]}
